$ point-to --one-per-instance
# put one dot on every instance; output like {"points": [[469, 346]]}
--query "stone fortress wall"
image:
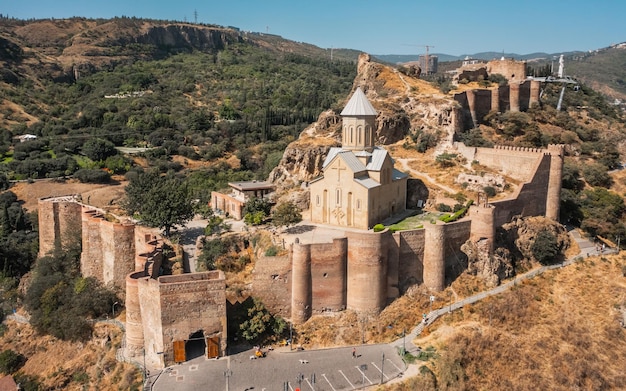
{"points": [[518, 95], [366, 270], [159, 310], [362, 271]]}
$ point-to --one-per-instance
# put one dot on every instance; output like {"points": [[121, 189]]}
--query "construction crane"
{"points": [[426, 57]]}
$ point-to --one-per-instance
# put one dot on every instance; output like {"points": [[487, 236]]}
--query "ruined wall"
{"points": [[59, 222], [272, 281], [175, 307], [108, 248], [514, 71], [367, 270], [455, 234]]}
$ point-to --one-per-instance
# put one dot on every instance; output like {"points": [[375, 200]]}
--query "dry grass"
{"points": [[558, 331], [72, 365]]}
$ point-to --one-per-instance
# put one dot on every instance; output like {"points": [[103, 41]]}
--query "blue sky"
{"points": [[380, 27]]}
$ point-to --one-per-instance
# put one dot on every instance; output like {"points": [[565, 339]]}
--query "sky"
{"points": [[452, 27]]}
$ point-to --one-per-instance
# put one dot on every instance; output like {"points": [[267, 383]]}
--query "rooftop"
{"points": [[358, 105], [251, 185]]}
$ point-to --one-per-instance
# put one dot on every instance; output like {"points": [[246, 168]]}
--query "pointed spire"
{"points": [[358, 105]]}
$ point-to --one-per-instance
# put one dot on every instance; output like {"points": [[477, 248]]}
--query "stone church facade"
{"points": [[359, 186]]}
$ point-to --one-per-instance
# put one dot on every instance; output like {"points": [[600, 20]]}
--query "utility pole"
{"points": [[227, 374], [382, 371], [195, 16]]}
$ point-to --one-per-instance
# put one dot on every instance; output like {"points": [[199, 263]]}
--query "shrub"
{"points": [[271, 251], [378, 228], [11, 361], [545, 247], [490, 191], [92, 176], [444, 208]]}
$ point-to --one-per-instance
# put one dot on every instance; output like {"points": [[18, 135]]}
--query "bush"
{"points": [[92, 176], [545, 247], [490, 191], [11, 362], [444, 208], [271, 251], [379, 228]]}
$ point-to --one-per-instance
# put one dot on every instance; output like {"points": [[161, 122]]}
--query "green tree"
{"points": [[446, 159], [160, 201], [596, 174], [286, 214], [545, 247], [98, 149], [255, 210], [260, 323]]}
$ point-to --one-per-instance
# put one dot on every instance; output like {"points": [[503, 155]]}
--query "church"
{"points": [[359, 187]]}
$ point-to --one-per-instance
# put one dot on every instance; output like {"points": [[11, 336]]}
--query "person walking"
{"points": [[353, 352]]}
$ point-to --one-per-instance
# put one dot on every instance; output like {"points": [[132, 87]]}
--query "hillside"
{"points": [[546, 333]]}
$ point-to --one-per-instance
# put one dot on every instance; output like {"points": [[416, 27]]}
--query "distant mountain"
{"points": [[403, 58]]}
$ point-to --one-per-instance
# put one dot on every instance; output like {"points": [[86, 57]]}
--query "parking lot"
{"points": [[325, 369]]}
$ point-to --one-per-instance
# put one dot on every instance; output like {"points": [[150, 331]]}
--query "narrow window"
{"points": [[338, 197]]}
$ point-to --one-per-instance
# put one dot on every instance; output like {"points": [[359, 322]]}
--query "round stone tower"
{"points": [[134, 326], [301, 295], [434, 256], [553, 199], [367, 270], [483, 227]]}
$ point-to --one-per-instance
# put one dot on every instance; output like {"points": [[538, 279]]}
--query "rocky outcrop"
{"points": [[300, 163], [402, 112], [513, 249], [492, 268], [520, 234], [182, 37]]}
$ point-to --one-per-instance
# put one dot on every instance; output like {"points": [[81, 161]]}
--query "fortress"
{"points": [[364, 270], [168, 318], [174, 318]]}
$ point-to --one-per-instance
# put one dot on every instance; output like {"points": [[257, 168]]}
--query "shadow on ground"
{"points": [[299, 229]]}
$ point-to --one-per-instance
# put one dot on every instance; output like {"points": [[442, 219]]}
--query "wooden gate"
{"points": [[179, 352], [212, 347]]}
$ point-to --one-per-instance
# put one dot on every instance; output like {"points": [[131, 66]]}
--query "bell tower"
{"points": [[359, 122]]}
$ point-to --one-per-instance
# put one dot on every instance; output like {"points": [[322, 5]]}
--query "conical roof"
{"points": [[358, 105]]}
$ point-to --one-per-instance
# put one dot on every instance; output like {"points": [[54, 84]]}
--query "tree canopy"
{"points": [[286, 214], [161, 201]]}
